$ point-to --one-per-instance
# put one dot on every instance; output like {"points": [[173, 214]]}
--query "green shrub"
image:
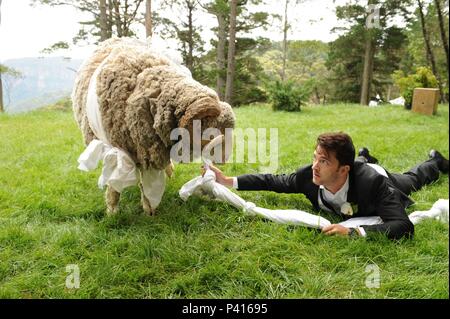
{"points": [[64, 105], [287, 96], [423, 78]]}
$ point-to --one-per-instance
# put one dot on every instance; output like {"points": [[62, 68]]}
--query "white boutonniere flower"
{"points": [[347, 209]]}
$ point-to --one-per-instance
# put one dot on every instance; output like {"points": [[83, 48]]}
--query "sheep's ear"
{"points": [[205, 107]]}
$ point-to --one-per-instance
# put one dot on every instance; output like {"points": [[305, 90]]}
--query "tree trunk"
{"points": [[103, 21], [442, 29], [316, 92], [231, 53], [117, 19], [368, 70], [285, 30], [126, 20], [430, 54], [388, 95], [222, 38], [2, 109], [190, 56], [148, 19], [110, 18]]}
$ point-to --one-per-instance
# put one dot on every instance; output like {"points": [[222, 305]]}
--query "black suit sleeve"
{"points": [[284, 183], [396, 223]]}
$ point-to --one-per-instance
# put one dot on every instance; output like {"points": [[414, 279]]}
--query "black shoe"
{"points": [[365, 153], [441, 160]]}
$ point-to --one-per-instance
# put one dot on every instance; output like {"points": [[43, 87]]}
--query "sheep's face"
{"points": [[215, 146], [210, 124]]}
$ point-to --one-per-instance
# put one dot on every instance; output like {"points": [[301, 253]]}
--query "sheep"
{"points": [[130, 96]]}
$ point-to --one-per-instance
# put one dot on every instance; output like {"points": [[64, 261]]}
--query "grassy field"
{"points": [[53, 215]]}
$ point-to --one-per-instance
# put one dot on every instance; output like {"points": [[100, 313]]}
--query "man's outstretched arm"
{"points": [[283, 183]]}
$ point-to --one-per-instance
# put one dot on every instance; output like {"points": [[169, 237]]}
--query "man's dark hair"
{"points": [[340, 144]]}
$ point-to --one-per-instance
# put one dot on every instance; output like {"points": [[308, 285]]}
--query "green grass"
{"points": [[53, 215]]}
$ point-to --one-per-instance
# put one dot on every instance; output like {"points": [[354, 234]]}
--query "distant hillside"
{"points": [[44, 81]]}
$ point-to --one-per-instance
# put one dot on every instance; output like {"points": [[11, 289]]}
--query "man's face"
{"points": [[325, 167]]}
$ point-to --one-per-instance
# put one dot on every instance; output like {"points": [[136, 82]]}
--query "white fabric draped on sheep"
{"points": [[207, 185]]}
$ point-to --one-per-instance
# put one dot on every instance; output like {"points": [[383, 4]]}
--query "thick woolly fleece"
{"points": [[142, 97]]}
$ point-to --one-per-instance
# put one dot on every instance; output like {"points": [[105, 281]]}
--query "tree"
{"points": [[430, 55], [220, 9], [442, 31], [285, 33], [249, 77], [368, 32], [415, 53], [369, 53], [114, 17], [148, 18], [346, 66], [210, 68], [305, 66], [285, 43], [103, 21], [184, 30], [9, 72], [231, 53], [247, 20]]}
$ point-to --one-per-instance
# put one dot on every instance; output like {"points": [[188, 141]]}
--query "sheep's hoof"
{"points": [[151, 212], [112, 201], [111, 211], [169, 169], [147, 207], [148, 210]]}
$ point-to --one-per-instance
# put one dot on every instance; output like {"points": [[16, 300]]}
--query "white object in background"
{"points": [[373, 103], [438, 211], [398, 101]]}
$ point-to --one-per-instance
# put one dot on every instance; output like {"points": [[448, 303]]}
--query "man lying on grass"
{"points": [[338, 183]]}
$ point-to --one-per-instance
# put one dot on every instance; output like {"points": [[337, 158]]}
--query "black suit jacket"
{"points": [[374, 195]]}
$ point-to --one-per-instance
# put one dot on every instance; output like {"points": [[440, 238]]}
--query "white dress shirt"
{"points": [[337, 199]]}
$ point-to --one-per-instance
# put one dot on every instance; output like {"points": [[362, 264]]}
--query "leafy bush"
{"points": [[286, 96], [423, 78], [64, 105]]}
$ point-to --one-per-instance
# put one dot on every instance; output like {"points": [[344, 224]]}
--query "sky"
{"points": [[26, 30]]}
